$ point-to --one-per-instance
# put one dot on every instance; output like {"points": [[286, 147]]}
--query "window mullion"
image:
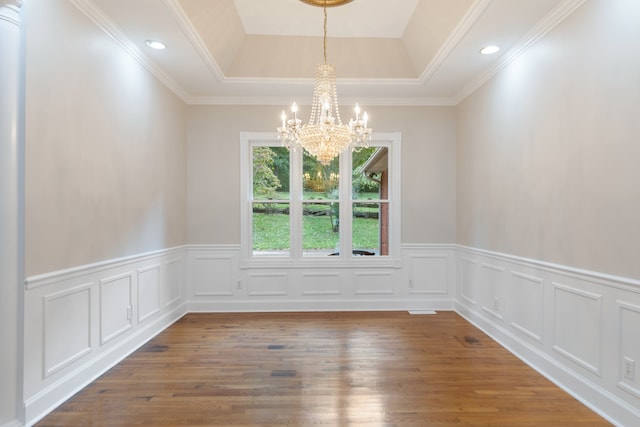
{"points": [[295, 183], [346, 207]]}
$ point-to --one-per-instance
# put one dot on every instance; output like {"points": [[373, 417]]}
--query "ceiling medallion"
{"points": [[328, 3], [324, 136]]}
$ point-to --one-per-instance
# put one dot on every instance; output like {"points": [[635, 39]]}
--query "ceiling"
{"points": [[386, 52]]}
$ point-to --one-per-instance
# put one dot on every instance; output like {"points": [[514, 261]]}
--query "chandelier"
{"points": [[324, 136]]}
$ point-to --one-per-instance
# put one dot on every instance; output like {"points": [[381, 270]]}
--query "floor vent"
{"points": [[283, 373]]}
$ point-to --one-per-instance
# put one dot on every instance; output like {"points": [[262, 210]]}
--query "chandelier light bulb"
{"points": [[324, 136]]}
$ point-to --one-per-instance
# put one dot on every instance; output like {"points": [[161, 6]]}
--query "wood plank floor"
{"points": [[334, 369]]}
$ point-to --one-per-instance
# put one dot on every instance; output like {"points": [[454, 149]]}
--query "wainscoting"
{"points": [[82, 321], [580, 329], [423, 280]]}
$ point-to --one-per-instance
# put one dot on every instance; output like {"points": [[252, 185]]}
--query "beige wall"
{"points": [[428, 168], [548, 150], [105, 147]]}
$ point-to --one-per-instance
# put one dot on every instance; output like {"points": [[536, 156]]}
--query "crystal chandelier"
{"points": [[325, 136]]}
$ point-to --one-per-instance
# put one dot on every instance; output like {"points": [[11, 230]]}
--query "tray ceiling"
{"points": [[386, 52]]}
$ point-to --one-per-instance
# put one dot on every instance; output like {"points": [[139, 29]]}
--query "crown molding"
{"points": [[377, 102], [542, 28], [10, 11], [189, 30], [95, 14], [11, 4], [473, 14]]}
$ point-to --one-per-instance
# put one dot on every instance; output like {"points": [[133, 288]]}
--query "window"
{"points": [[296, 209]]}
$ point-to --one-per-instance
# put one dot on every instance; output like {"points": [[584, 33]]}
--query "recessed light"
{"points": [[154, 44], [489, 50]]}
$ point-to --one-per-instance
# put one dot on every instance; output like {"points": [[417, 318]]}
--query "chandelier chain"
{"points": [[324, 40], [324, 136]]}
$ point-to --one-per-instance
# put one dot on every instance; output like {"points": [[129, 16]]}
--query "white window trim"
{"points": [[344, 260]]}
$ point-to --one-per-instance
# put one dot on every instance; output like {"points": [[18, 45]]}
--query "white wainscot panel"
{"points": [[492, 283], [629, 357], [374, 283], [173, 281], [429, 274], [148, 292], [578, 326], [528, 313], [212, 275], [321, 283], [115, 306], [267, 284], [467, 276], [67, 327]]}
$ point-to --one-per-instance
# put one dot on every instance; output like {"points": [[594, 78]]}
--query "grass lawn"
{"points": [[271, 232]]}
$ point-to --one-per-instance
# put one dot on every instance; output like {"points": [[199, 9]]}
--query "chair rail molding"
{"points": [[573, 326], [576, 327]]}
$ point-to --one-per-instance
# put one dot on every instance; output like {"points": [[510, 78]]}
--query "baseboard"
{"points": [[307, 306], [51, 397], [530, 307], [80, 322], [535, 309]]}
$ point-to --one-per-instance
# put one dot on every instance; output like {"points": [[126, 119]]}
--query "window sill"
{"points": [[324, 263]]}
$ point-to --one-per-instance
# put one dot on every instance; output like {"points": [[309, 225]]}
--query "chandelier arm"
{"points": [[324, 137]]}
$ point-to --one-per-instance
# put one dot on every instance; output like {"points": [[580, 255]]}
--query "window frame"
{"points": [[295, 258]]}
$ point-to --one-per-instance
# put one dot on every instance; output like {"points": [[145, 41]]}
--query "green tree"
{"points": [[265, 182], [281, 166], [360, 183]]}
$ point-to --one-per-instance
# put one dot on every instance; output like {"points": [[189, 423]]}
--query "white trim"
{"points": [[295, 259], [95, 14], [50, 397], [602, 391], [306, 305], [597, 386], [10, 11], [196, 41], [45, 279], [625, 283], [418, 101], [548, 23], [576, 385], [46, 386], [473, 14]]}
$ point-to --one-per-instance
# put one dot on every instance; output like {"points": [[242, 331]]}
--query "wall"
{"points": [[428, 168], [548, 207], [423, 279], [544, 161], [105, 147], [548, 149], [105, 205]]}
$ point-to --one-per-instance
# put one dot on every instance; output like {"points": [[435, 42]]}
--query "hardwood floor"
{"points": [[335, 369]]}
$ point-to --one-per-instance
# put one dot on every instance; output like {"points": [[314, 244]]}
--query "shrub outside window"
{"points": [[298, 209]]}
